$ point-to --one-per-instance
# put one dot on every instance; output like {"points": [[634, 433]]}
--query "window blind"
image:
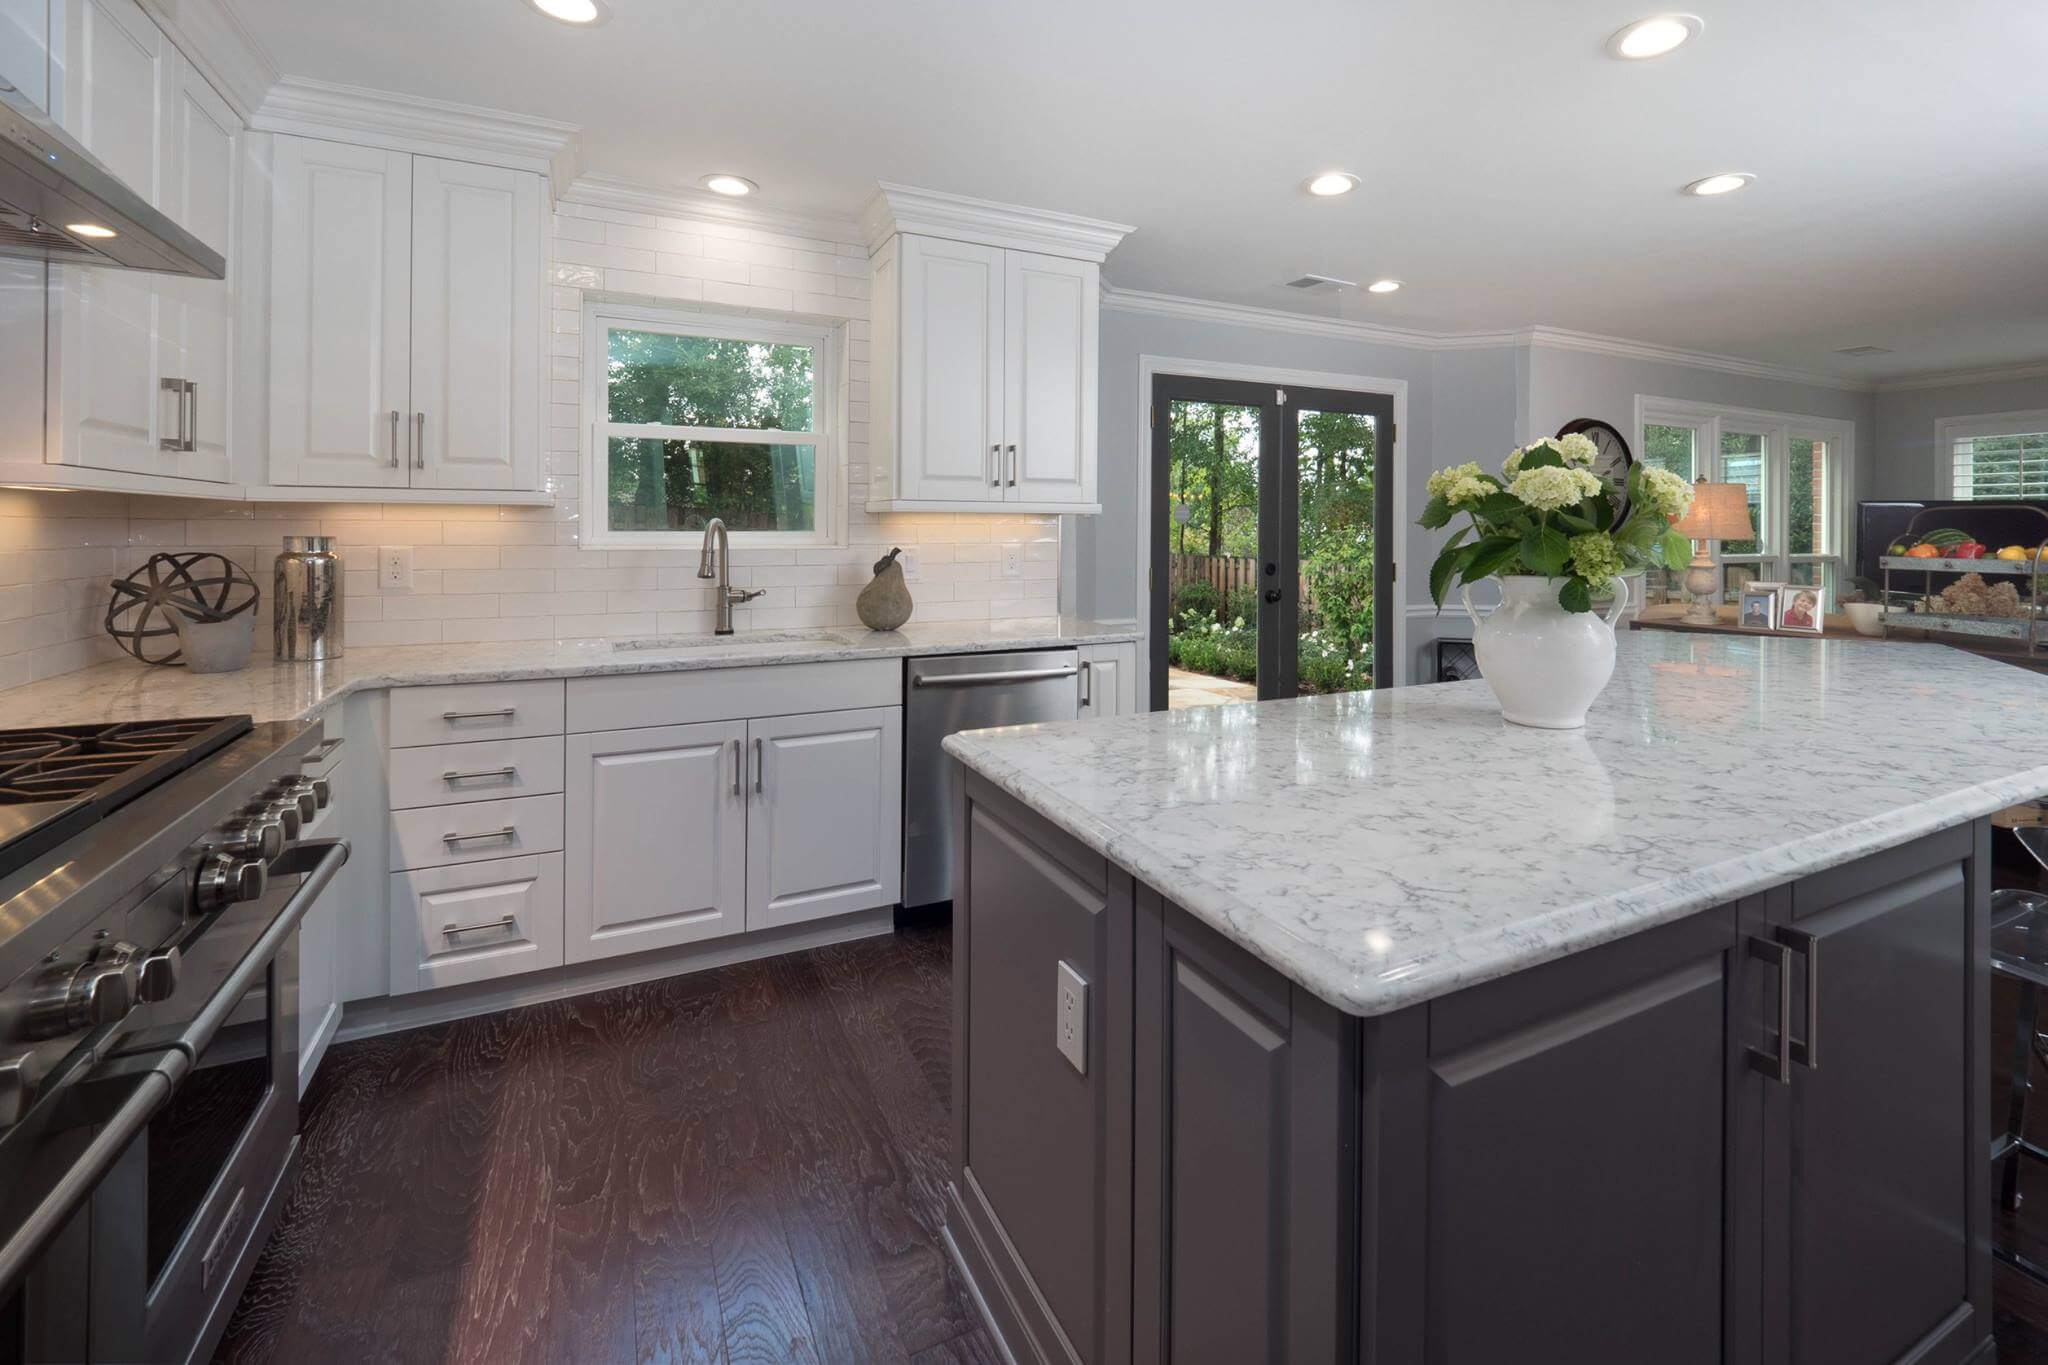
{"points": [[2011, 465]]}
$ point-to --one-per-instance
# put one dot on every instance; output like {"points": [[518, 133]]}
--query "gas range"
{"points": [[152, 877]]}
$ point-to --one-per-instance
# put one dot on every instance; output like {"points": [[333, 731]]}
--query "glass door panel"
{"points": [[1336, 626], [1744, 456], [1213, 490]]}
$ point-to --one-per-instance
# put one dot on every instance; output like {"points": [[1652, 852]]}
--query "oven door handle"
{"points": [[319, 860]]}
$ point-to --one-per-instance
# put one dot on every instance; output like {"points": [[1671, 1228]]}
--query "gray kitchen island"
{"points": [[1371, 1028]]}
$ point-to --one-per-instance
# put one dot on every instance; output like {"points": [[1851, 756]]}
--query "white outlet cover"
{"points": [[1013, 559], [913, 569], [1070, 1017], [394, 568]]}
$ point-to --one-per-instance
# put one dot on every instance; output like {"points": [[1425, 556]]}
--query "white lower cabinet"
{"points": [[825, 832], [477, 922], [1109, 680], [657, 837]]}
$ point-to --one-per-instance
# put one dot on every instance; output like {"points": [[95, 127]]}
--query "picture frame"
{"points": [[1758, 608], [1802, 608]]}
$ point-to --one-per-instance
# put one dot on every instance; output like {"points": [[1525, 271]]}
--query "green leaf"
{"points": [[1545, 550], [1502, 507], [1436, 515], [1640, 533], [1544, 458], [1489, 556], [1575, 596], [1677, 550], [1446, 565], [1572, 521], [1602, 510]]}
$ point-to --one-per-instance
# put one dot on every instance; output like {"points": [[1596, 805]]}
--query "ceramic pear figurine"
{"points": [[884, 604]]}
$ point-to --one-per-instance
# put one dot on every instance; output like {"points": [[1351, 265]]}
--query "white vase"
{"points": [[1867, 617], [1545, 664]]}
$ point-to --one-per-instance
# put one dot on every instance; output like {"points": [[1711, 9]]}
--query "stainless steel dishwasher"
{"points": [[952, 692]]}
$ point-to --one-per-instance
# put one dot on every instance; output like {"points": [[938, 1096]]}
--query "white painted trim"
{"points": [[429, 497], [1949, 378], [1273, 319], [624, 195], [1949, 430], [930, 213], [213, 36], [408, 123], [1151, 365]]}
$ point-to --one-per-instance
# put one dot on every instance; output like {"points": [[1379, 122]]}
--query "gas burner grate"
{"points": [[70, 761]]}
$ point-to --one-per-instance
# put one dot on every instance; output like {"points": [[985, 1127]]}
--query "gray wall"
{"points": [[1905, 463]]}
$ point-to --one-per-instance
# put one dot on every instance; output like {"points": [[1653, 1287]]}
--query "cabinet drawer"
{"points": [[433, 836], [636, 699], [454, 925], [487, 770], [468, 711]]}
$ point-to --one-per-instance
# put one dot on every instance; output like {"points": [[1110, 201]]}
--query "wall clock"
{"points": [[1611, 460]]}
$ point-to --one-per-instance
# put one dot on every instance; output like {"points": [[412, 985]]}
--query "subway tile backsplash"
{"points": [[521, 573]]}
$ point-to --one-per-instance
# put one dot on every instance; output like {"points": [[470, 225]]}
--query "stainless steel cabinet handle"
{"points": [[1013, 466], [183, 390], [327, 746], [394, 437], [1087, 683], [1807, 1052], [479, 774], [510, 832], [974, 679], [1778, 1064], [738, 762], [760, 766], [419, 446], [451, 930], [995, 466], [192, 406], [504, 713]]}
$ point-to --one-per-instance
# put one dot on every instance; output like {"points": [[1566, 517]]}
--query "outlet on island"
{"points": [[1070, 1024]]}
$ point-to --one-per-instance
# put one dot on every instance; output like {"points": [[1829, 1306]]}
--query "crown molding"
{"points": [[1564, 339], [1948, 378], [1268, 319], [409, 123], [213, 36], [632, 196], [899, 208]]}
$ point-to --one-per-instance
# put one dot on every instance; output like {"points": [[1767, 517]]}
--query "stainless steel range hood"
{"points": [[48, 183]]}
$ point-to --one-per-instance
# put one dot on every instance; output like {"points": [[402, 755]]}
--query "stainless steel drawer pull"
{"points": [[1807, 1052], [394, 438], [1087, 683], [419, 450], [505, 713], [738, 762], [975, 679], [510, 832], [995, 466], [760, 766], [451, 930], [508, 771], [1777, 1063], [327, 746], [1013, 466]]}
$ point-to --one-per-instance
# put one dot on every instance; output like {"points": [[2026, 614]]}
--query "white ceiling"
{"points": [[1514, 175]]}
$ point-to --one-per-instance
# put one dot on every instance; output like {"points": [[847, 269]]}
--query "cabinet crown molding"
{"points": [[929, 213], [408, 123]]}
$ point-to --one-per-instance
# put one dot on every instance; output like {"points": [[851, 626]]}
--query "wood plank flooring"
{"points": [[741, 1165]]}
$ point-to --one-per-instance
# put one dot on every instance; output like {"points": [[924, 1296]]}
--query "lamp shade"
{"points": [[1719, 511]]}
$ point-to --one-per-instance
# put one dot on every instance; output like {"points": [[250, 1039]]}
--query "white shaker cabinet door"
{"points": [[477, 277], [196, 317], [825, 835], [1050, 320], [656, 841], [951, 378], [25, 49], [340, 315], [1109, 680]]}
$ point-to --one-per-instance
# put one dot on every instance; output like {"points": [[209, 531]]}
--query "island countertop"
{"points": [[1381, 849]]}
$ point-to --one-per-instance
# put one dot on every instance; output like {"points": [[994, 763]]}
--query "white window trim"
{"points": [[828, 418], [1778, 429], [1949, 430]]}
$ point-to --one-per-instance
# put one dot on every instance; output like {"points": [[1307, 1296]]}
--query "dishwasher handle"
{"points": [[1005, 676]]}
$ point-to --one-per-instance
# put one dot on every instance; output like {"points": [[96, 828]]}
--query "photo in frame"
{"points": [[1759, 607], [1802, 607]]}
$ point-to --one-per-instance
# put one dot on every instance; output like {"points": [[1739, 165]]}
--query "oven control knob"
{"points": [[96, 991], [225, 881], [158, 979], [300, 788], [286, 813], [260, 838], [302, 797], [321, 793]]}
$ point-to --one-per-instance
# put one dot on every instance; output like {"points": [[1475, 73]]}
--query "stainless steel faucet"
{"points": [[715, 561]]}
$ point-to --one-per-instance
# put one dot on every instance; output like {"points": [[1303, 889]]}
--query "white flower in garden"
{"points": [[1664, 492], [1554, 488]]}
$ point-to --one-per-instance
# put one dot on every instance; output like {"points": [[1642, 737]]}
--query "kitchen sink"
{"points": [[738, 639]]}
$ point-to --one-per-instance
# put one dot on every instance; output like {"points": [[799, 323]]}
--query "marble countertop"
{"points": [[1382, 849], [293, 691]]}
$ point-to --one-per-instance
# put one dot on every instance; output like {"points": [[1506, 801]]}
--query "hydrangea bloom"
{"points": [[1552, 488], [1664, 492], [1576, 449], [1595, 558]]}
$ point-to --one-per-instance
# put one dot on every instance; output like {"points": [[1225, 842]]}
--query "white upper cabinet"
{"points": [[983, 366], [25, 33], [195, 318], [405, 320]]}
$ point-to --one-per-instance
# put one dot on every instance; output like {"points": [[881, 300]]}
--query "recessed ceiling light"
{"points": [[732, 185], [579, 12], [92, 230], [1654, 36], [1382, 286], [1331, 183], [1726, 183]]}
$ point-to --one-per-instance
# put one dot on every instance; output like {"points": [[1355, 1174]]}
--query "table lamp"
{"points": [[1719, 511]]}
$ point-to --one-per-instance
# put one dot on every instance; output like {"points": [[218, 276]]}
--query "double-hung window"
{"points": [[695, 416], [1997, 457], [1796, 472]]}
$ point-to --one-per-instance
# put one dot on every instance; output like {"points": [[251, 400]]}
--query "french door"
{"points": [[1272, 541]]}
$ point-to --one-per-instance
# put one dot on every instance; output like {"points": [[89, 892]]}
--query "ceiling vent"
{"points": [[1865, 350], [1319, 281]]}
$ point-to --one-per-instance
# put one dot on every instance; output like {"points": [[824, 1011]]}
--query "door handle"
{"points": [[738, 763], [506, 712], [192, 404], [509, 833], [973, 679], [479, 774], [419, 447], [1776, 1064], [995, 466], [1087, 683], [452, 930], [1272, 595], [1806, 1052], [1013, 466], [394, 438], [183, 389], [760, 766]]}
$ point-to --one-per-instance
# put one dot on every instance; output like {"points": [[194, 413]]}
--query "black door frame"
{"points": [[1279, 625]]}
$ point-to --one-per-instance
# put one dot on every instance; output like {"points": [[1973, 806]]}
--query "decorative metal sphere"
{"points": [[202, 585]]}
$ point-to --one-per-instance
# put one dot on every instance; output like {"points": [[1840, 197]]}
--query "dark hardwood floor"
{"points": [[739, 1165]]}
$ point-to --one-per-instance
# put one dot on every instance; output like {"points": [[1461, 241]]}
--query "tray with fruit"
{"points": [[1946, 549]]}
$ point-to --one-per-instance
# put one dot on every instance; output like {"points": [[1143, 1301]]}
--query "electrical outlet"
{"points": [[394, 568], [1070, 1024], [1013, 559], [913, 569]]}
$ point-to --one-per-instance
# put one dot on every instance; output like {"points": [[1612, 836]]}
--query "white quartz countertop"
{"points": [[293, 691], [1382, 849]]}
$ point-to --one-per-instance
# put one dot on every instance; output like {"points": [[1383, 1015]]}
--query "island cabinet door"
{"points": [[1561, 1164], [1243, 1201], [1876, 1177]]}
